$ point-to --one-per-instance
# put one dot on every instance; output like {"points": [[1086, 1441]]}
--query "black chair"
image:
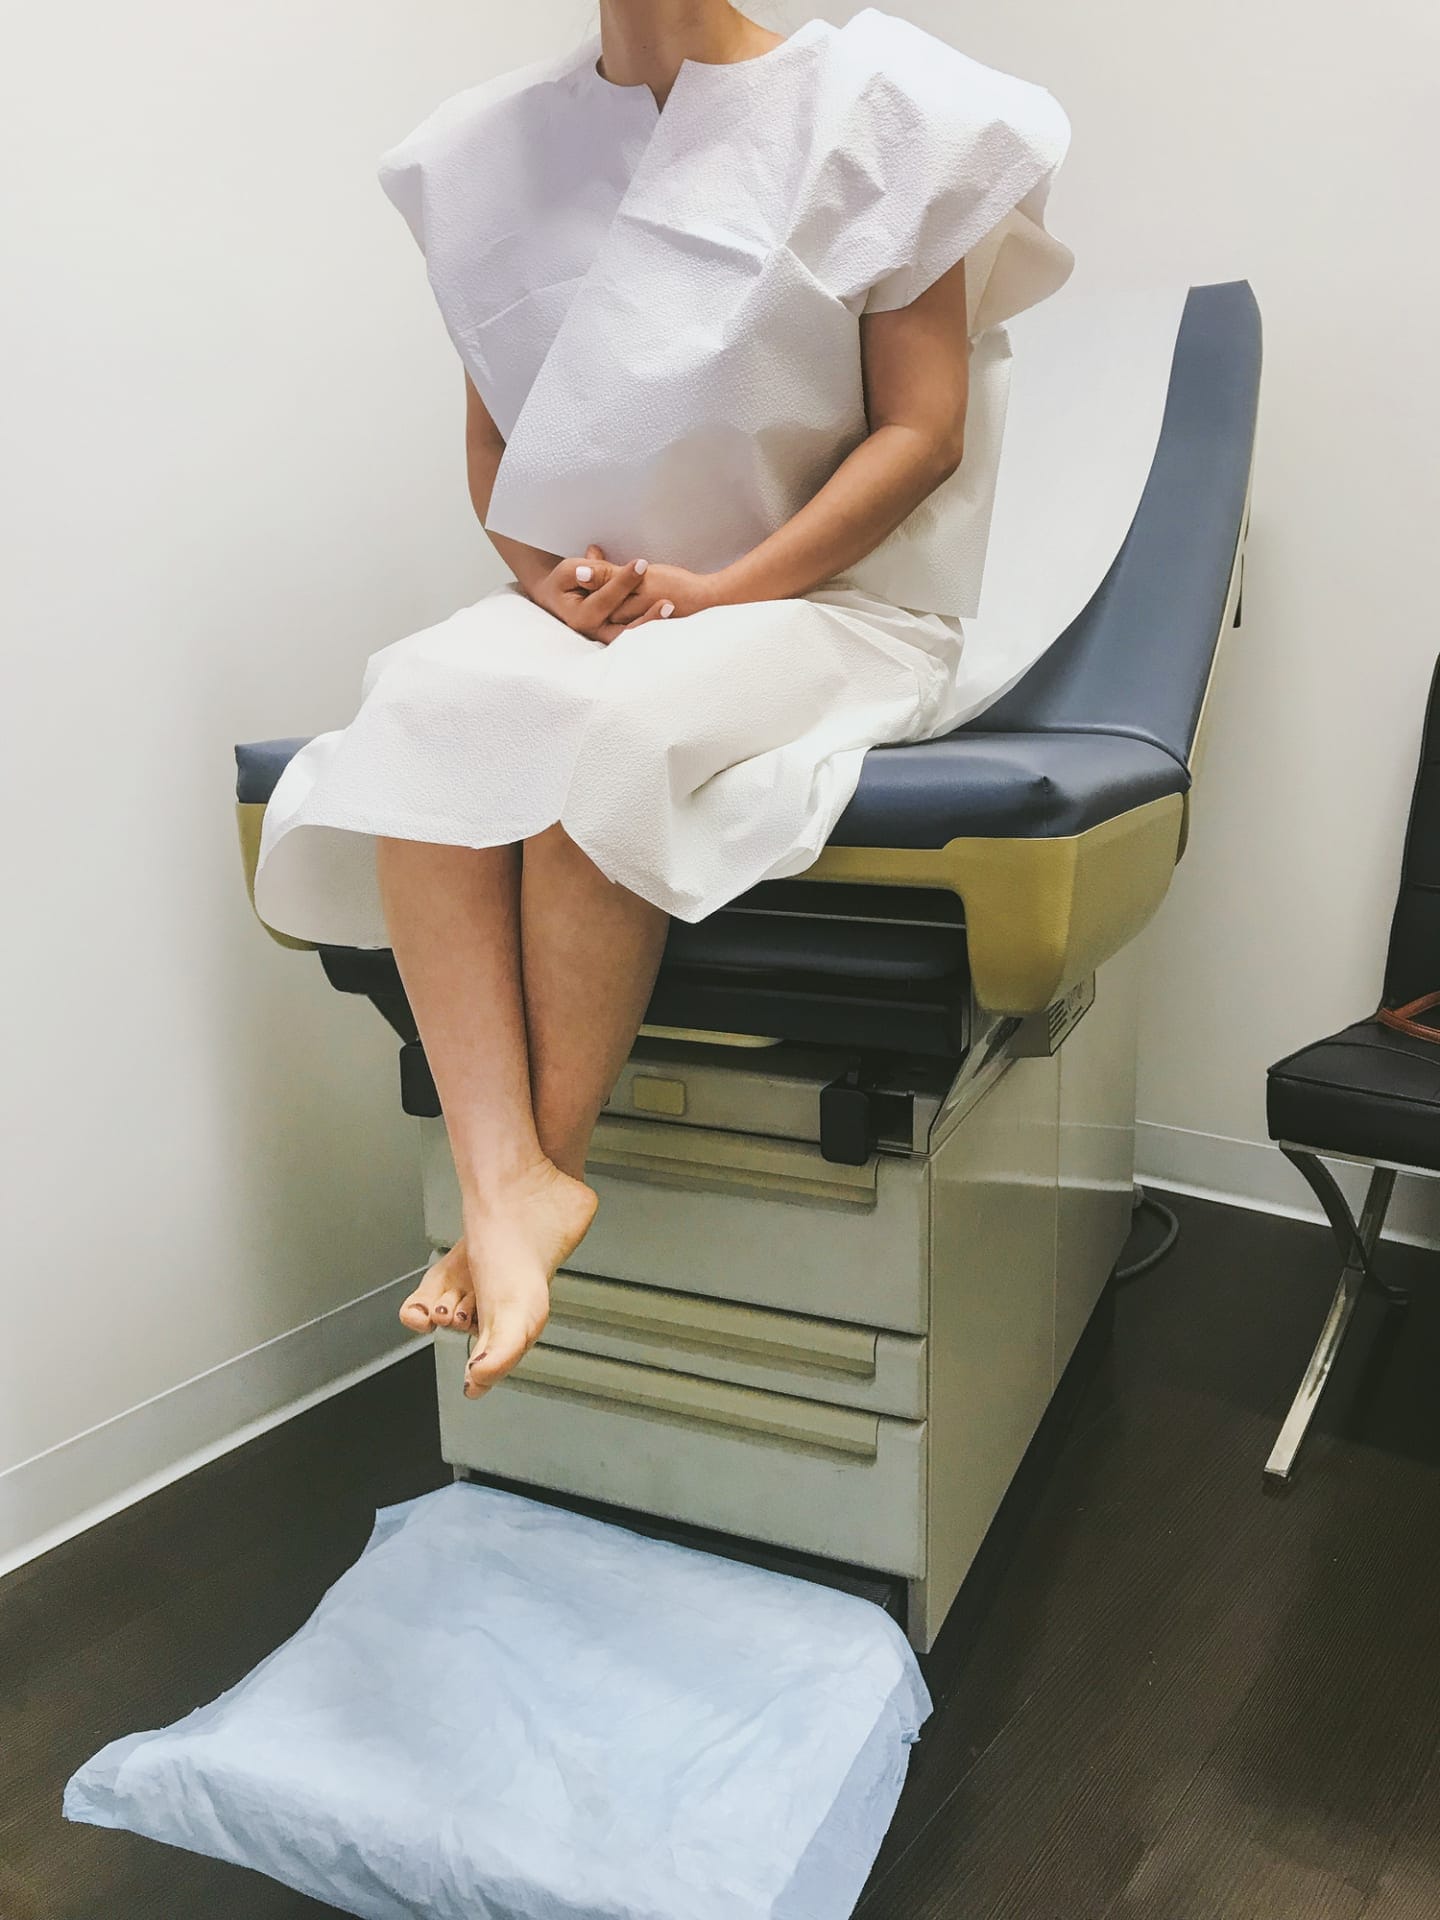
{"points": [[1369, 1093]]}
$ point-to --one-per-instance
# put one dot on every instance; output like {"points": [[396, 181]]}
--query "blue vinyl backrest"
{"points": [[1137, 661]]}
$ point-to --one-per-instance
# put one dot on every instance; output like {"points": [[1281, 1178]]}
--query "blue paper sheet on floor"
{"points": [[505, 1711]]}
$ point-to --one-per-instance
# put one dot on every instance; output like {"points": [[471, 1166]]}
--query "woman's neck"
{"points": [[642, 42]]}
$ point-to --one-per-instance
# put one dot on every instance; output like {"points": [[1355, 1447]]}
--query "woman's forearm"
{"points": [[482, 461], [868, 495], [528, 564], [915, 362]]}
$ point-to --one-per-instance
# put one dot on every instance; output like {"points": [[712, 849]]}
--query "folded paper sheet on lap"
{"points": [[505, 1711]]}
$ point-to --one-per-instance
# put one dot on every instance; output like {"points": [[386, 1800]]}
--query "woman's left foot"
{"points": [[514, 1243]]}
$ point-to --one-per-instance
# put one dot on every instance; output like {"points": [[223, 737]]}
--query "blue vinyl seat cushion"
{"points": [[259, 765], [1010, 785], [1019, 786]]}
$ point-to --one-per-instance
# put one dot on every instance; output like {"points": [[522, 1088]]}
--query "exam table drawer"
{"points": [[764, 1466], [829, 1360], [736, 1217]]}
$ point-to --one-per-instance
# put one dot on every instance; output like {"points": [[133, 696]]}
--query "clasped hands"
{"points": [[602, 599]]}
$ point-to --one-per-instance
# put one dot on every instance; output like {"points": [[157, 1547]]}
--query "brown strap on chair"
{"points": [[1403, 1020]]}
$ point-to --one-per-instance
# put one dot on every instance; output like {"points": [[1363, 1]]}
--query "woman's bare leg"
{"points": [[519, 1106], [438, 901], [454, 924], [591, 950]]}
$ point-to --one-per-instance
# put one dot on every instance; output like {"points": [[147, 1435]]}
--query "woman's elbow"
{"points": [[945, 451]]}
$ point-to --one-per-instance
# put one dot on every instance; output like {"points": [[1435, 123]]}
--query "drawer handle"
{"points": [[756, 1334], [682, 1396], [730, 1162]]}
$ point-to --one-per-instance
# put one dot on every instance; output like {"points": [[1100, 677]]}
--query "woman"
{"points": [[728, 304]]}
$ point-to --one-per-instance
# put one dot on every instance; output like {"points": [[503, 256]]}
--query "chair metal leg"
{"points": [[1357, 1243]]}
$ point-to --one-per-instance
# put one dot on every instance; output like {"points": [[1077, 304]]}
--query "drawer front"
{"points": [[828, 1360], [768, 1222], [771, 1089], [834, 1259], [764, 1466]]}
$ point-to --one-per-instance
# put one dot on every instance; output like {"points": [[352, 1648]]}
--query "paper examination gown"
{"points": [[661, 310]]}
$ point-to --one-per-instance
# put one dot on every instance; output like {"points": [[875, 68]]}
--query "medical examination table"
{"points": [[870, 1165]]}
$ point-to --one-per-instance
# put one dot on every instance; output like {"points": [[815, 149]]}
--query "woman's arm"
{"points": [[915, 361], [563, 587], [916, 366], [484, 445]]}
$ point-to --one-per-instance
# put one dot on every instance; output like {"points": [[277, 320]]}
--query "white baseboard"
{"points": [[1254, 1173], [72, 1486]]}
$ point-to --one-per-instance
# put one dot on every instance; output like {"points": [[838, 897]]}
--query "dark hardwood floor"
{"points": [[1164, 1695]]}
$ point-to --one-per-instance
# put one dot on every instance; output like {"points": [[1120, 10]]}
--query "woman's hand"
{"points": [[587, 594], [662, 593]]}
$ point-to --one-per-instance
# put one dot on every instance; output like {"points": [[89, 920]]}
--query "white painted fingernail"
{"points": [[667, 607], [584, 573], [641, 565]]}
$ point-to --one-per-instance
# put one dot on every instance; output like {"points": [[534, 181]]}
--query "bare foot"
{"points": [[514, 1243], [444, 1298]]}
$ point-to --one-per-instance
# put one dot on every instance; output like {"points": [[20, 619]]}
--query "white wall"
{"points": [[232, 470], [1290, 143]]}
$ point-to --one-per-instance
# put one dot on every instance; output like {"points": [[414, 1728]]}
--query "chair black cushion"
{"points": [[1364, 1090]]}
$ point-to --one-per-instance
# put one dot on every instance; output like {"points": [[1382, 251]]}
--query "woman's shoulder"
{"points": [[910, 75], [481, 111]]}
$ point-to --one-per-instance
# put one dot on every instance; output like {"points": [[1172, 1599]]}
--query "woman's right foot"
{"points": [[444, 1298]]}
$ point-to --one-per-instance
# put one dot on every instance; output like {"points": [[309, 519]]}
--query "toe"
{"points": [[475, 1349], [464, 1314], [415, 1312], [509, 1340], [443, 1311], [440, 1279]]}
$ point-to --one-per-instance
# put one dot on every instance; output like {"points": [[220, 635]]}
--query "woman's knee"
{"points": [[632, 727], [562, 858], [551, 840]]}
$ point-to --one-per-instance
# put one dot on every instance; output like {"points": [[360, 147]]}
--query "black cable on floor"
{"points": [[1144, 1204]]}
